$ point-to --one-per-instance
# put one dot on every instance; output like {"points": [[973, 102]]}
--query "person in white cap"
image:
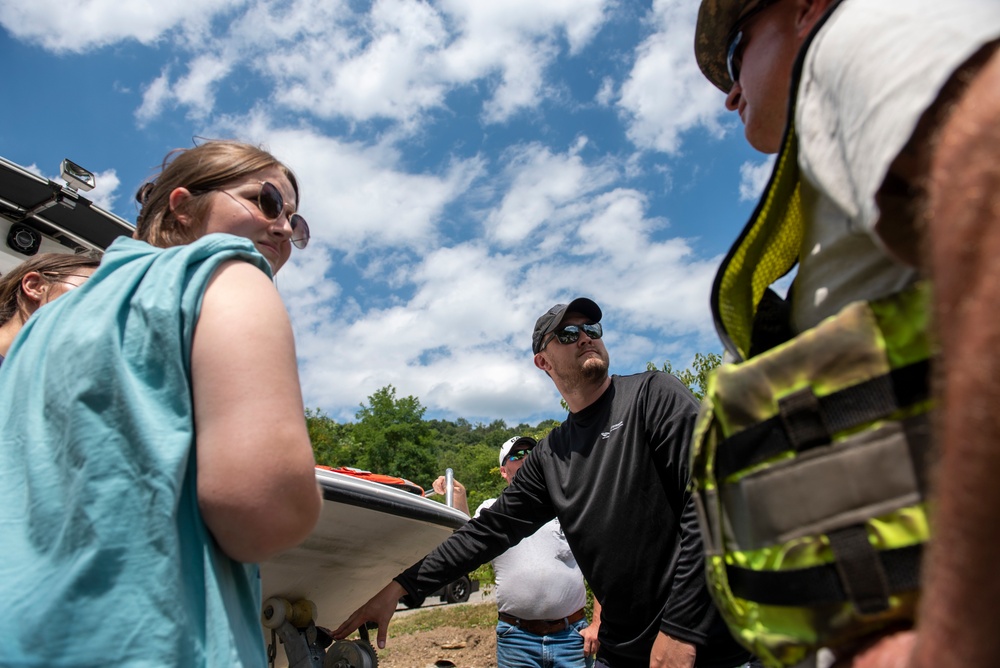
{"points": [[539, 587]]}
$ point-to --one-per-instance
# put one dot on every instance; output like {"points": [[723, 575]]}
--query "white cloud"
{"points": [[89, 24], [308, 290], [358, 196], [384, 64], [155, 97], [456, 330], [195, 90], [516, 41], [613, 254], [492, 22], [754, 177], [665, 93], [370, 199], [398, 60], [521, 82], [606, 93], [544, 189], [460, 342], [105, 193]]}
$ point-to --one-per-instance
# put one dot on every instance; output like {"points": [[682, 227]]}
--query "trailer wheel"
{"points": [[459, 590], [351, 654], [274, 611]]}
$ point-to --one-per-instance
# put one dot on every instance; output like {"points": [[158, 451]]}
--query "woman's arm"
{"points": [[256, 479]]}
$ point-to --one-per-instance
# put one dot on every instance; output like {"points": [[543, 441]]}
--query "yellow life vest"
{"points": [[809, 461]]}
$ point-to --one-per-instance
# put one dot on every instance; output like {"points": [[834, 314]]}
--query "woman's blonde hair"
{"points": [[50, 266], [207, 167]]}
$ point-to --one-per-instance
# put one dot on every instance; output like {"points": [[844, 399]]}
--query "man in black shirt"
{"points": [[615, 473]]}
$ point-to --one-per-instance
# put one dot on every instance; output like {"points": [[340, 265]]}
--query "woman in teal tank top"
{"points": [[154, 445]]}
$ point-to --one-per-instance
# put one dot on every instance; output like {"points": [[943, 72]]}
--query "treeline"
{"points": [[391, 436]]}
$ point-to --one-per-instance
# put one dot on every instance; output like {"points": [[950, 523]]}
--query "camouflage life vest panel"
{"points": [[809, 461]]}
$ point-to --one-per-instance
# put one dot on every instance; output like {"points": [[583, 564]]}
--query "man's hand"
{"points": [[590, 642], [378, 609], [671, 653]]}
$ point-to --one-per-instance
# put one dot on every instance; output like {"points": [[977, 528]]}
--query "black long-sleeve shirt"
{"points": [[616, 476]]}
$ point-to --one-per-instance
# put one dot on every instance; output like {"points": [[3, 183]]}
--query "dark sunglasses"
{"points": [[571, 333], [516, 455], [272, 204], [733, 59]]}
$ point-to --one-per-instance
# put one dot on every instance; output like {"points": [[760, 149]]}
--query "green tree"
{"points": [[393, 438], [333, 443], [470, 451], [696, 375]]}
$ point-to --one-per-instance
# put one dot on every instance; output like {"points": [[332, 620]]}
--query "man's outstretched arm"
{"points": [[378, 609]]}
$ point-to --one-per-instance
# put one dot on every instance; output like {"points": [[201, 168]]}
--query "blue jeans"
{"points": [[519, 649], [755, 663]]}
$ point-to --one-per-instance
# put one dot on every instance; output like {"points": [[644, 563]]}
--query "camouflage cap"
{"points": [[716, 19]]}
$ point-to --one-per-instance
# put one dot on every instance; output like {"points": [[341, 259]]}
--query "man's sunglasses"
{"points": [[571, 333], [516, 455], [733, 59], [272, 204]]}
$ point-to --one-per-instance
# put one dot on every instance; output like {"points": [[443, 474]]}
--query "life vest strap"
{"points": [[860, 570], [871, 473], [805, 421], [821, 585]]}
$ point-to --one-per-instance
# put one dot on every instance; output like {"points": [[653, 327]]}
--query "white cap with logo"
{"points": [[527, 441]]}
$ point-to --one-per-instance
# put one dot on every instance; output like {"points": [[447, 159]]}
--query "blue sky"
{"points": [[464, 165]]}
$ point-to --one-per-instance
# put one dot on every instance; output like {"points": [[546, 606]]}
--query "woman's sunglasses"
{"points": [[271, 204], [571, 333]]}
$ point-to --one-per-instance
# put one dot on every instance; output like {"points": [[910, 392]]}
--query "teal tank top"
{"points": [[105, 558]]}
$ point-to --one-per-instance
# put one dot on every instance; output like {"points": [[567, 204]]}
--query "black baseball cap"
{"points": [[552, 318]]}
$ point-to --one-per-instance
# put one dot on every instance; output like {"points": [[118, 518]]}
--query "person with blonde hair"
{"points": [[154, 443], [34, 283]]}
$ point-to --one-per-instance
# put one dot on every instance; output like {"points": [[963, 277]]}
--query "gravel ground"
{"points": [[441, 648]]}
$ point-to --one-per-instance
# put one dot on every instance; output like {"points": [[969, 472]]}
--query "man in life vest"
{"points": [[812, 460]]}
